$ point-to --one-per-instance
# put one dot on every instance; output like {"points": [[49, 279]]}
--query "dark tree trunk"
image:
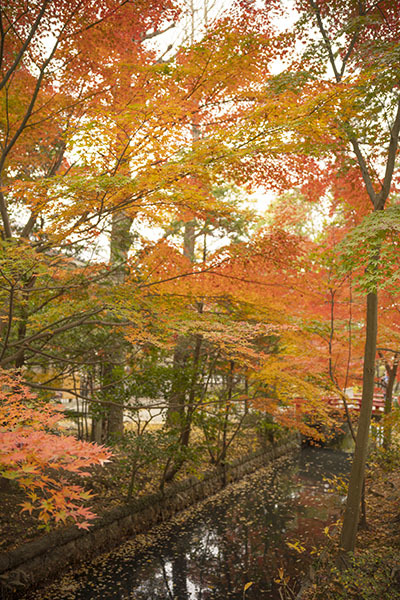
{"points": [[391, 371], [352, 512]]}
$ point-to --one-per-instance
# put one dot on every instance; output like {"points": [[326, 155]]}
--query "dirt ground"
{"points": [[374, 572]]}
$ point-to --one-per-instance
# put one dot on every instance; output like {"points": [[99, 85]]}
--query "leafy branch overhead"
{"points": [[374, 242]]}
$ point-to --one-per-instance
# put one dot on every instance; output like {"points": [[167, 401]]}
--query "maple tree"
{"points": [[53, 80], [91, 94], [353, 102]]}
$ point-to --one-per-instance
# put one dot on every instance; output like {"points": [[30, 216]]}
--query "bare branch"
{"points": [[155, 33]]}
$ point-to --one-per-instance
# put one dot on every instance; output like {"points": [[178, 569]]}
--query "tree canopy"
{"points": [[134, 272]]}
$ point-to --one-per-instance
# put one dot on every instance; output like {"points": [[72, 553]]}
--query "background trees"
{"points": [[131, 268]]}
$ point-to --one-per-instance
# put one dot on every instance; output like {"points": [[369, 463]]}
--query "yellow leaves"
{"points": [[87, 495], [288, 380], [282, 579], [296, 546], [248, 585], [27, 506]]}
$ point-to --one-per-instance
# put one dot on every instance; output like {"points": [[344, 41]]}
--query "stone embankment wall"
{"points": [[36, 561]]}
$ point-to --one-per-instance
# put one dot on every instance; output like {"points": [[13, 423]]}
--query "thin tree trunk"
{"points": [[119, 247], [352, 512], [186, 423], [177, 396], [391, 373]]}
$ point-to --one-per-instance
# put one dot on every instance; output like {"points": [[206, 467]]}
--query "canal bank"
{"points": [[243, 535], [31, 564]]}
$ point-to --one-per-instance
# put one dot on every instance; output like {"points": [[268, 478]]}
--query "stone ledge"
{"points": [[36, 561]]}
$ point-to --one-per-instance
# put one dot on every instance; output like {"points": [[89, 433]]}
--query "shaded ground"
{"points": [[15, 528], [375, 569]]}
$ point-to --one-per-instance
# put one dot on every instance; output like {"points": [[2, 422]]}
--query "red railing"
{"points": [[354, 403]]}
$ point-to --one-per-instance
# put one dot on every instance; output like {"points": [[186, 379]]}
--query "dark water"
{"points": [[239, 536]]}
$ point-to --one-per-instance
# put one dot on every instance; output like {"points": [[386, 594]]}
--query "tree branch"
{"points": [[326, 39], [391, 159], [25, 45], [47, 331], [4, 216], [364, 171], [34, 97]]}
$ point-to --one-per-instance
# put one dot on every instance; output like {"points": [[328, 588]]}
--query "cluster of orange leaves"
{"points": [[39, 458]]}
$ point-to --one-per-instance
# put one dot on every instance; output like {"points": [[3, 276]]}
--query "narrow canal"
{"points": [[244, 534]]}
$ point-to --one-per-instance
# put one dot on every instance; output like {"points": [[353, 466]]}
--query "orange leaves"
{"points": [[38, 458]]}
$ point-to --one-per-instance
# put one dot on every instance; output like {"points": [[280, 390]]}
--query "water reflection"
{"points": [[238, 537]]}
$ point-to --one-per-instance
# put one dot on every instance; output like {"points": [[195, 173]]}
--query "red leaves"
{"points": [[35, 455]]}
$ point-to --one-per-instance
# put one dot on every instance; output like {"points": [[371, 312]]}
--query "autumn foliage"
{"points": [[131, 265], [39, 458]]}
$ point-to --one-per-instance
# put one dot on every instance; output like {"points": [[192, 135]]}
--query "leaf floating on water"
{"points": [[247, 585]]}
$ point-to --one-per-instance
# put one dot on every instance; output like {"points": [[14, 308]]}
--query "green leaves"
{"points": [[372, 251]]}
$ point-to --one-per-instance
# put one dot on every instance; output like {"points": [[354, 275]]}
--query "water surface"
{"points": [[244, 534]]}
